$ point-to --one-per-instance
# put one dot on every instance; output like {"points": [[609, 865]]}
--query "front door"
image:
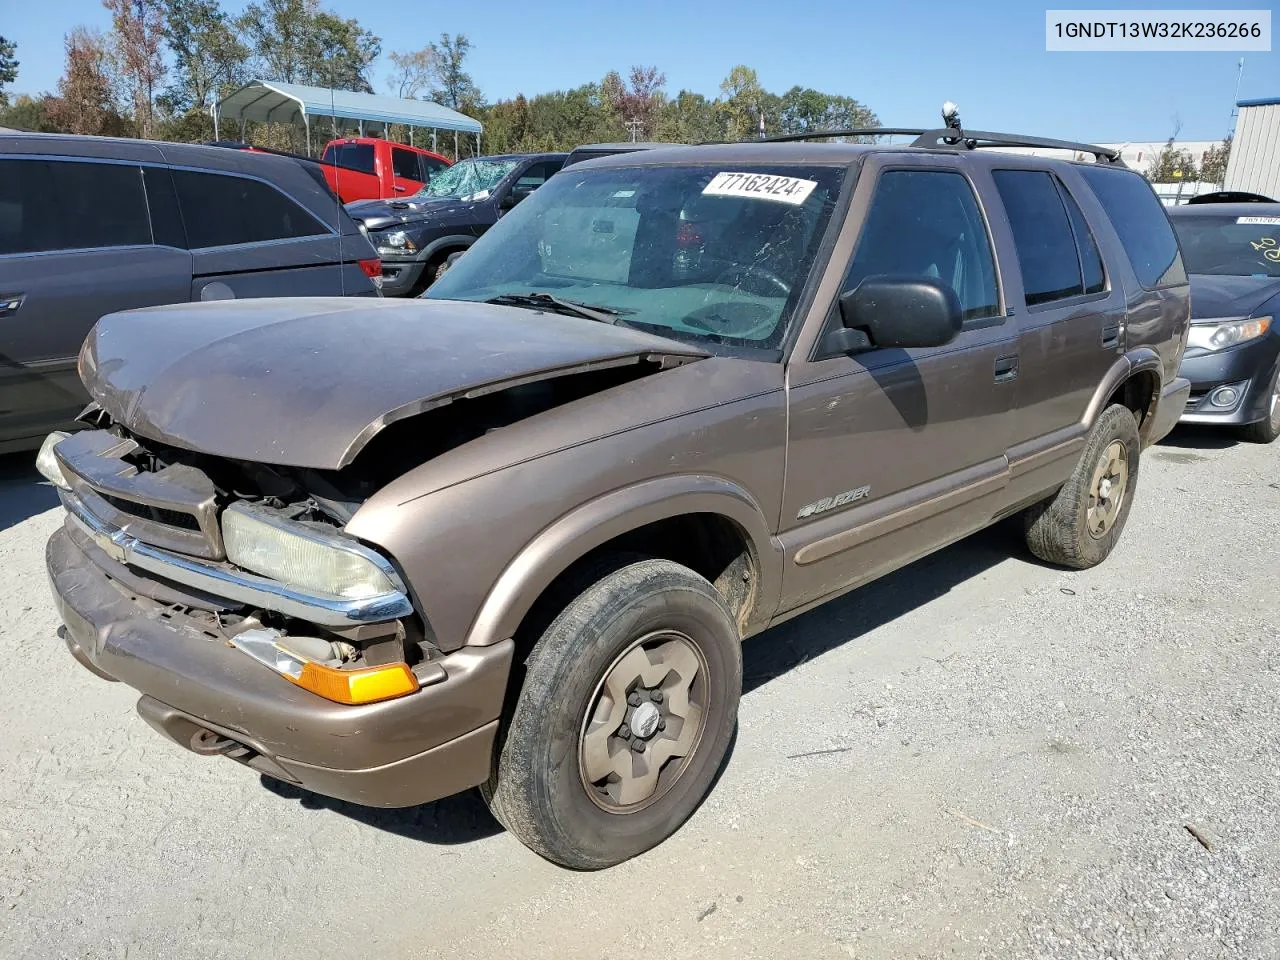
{"points": [[893, 452]]}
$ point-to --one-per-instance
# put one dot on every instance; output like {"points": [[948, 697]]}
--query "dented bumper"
{"points": [[210, 698]]}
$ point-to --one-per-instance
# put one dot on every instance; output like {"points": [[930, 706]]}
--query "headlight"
{"points": [[1217, 335], [47, 463], [396, 243], [300, 556]]}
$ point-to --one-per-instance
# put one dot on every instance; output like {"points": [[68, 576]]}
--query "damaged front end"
{"points": [[259, 549]]}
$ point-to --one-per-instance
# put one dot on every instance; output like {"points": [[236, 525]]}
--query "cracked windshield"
{"points": [[468, 180], [697, 253]]}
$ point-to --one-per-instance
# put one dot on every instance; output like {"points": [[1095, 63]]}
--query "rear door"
{"points": [[76, 242], [1072, 318], [251, 239]]}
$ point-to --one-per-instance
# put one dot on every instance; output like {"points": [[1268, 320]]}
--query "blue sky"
{"points": [[901, 58]]}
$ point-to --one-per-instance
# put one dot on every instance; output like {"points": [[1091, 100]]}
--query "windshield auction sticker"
{"points": [[1257, 219], [760, 186], [1157, 30]]}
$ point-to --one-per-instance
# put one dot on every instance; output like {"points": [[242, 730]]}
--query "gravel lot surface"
{"points": [[978, 756]]}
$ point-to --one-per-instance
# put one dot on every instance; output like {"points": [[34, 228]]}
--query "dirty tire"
{"points": [[538, 790], [1057, 529], [1266, 430]]}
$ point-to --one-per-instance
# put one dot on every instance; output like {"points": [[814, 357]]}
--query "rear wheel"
{"points": [[1266, 430], [1079, 526], [628, 707]]}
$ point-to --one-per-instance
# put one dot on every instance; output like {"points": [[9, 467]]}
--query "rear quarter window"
{"points": [[50, 205], [1140, 222]]}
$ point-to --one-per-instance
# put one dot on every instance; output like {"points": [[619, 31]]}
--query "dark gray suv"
{"points": [[91, 225]]}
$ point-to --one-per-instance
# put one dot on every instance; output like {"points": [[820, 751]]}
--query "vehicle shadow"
{"points": [[460, 818], [1195, 437], [23, 492], [464, 818]]}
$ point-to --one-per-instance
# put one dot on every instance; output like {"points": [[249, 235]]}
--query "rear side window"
{"points": [[927, 224], [166, 221], [356, 156], [405, 164], [1086, 246], [1041, 234], [220, 210], [1141, 224], [70, 205]]}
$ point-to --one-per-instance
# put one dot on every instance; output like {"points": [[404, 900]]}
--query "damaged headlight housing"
{"points": [[304, 557], [1220, 334], [396, 243], [47, 463]]}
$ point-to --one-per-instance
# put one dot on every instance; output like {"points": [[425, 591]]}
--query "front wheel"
{"points": [[1079, 526], [628, 707]]}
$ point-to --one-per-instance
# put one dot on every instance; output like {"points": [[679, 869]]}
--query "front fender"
{"points": [[588, 526], [458, 241]]}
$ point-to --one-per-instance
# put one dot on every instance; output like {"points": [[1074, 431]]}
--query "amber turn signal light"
{"points": [[365, 685]]}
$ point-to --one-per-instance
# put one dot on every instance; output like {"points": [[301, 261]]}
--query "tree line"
{"points": [[160, 66]]}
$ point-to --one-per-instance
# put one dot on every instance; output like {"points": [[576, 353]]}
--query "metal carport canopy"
{"points": [[272, 102]]}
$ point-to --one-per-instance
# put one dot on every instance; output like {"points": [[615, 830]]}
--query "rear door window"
{"points": [[1140, 222], [70, 205], [1041, 235], [430, 166], [405, 164], [221, 210], [355, 156]]}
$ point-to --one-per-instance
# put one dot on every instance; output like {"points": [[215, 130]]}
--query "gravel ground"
{"points": [[978, 756]]}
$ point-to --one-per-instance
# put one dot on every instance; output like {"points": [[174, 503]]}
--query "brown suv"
{"points": [[513, 534]]}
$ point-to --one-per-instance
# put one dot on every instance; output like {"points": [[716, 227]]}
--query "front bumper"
{"points": [[399, 277], [212, 699], [1250, 367]]}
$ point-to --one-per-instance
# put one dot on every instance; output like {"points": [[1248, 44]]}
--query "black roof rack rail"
{"points": [[852, 132], [953, 137]]}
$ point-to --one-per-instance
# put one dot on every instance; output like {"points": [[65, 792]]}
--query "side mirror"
{"points": [[892, 311], [517, 193]]}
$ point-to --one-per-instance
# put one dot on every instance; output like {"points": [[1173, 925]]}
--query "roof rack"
{"points": [[954, 137]]}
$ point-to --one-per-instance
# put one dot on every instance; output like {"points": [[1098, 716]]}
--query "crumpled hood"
{"points": [[1215, 296], [378, 214], [307, 382]]}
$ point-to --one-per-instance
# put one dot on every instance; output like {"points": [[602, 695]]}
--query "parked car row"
{"points": [[511, 533]]}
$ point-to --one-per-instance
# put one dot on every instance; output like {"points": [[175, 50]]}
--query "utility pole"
{"points": [[633, 126], [1235, 110]]}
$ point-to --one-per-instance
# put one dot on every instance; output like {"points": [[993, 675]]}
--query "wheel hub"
{"points": [[1107, 489], [644, 721]]}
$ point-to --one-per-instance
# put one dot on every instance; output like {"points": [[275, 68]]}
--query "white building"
{"points": [[1254, 164]]}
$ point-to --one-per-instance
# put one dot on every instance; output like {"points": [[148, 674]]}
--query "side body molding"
{"points": [[588, 526]]}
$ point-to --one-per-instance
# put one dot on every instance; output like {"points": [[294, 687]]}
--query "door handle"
{"points": [[1110, 336], [399, 189], [11, 304], [1006, 369]]}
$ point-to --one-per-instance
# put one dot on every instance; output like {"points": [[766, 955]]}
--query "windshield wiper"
{"points": [[545, 301]]}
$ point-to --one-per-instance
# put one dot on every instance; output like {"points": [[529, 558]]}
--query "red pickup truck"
{"points": [[369, 168]]}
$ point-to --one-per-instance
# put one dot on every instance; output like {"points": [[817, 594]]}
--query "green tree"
{"points": [[803, 108], [690, 118], [208, 57], [8, 67], [1171, 164], [30, 113], [295, 41], [1213, 165], [741, 106], [453, 86]]}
